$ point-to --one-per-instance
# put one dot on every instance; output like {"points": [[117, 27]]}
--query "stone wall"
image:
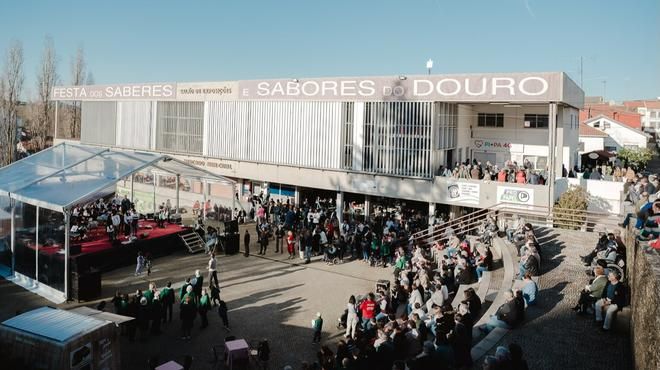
{"points": [[644, 279]]}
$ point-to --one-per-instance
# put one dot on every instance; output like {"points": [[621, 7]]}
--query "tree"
{"points": [[637, 157], [42, 123], [78, 74], [570, 210], [11, 87]]}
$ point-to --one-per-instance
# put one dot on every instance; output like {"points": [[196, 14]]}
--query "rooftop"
{"points": [[53, 323]]}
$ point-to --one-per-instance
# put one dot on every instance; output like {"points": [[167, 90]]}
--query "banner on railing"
{"points": [[464, 192], [522, 196]]}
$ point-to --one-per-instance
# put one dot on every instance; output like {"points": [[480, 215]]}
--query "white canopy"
{"points": [[66, 174]]}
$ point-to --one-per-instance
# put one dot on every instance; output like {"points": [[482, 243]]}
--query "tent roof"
{"points": [[68, 174], [55, 324]]}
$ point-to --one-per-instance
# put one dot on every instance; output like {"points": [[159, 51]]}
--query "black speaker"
{"points": [[230, 243], [231, 227]]}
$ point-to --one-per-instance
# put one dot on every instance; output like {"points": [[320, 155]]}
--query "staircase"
{"points": [[586, 221], [193, 242]]}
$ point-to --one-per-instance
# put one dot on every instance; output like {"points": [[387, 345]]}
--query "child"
{"points": [[147, 262], [317, 325]]}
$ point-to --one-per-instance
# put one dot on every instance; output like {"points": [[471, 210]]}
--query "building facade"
{"points": [[372, 136]]}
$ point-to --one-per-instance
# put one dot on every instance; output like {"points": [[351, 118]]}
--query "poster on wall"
{"points": [[464, 192], [515, 196]]}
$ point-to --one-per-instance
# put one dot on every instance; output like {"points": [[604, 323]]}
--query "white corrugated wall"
{"points": [[98, 122], [306, 134], [134, 125]]}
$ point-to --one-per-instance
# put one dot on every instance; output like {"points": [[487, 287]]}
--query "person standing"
{"points": [[351, 318], [222, 312], [198, 284], [279, 235], [140, 263], [263, 242], [187, 313], [213, 274], [317, 325], [167, 298], [290, 244], [203, 307], [156, 314], [246, 243]]}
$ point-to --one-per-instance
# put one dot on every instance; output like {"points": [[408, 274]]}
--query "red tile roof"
{"points": [[617, 113], [586, 130], [634, 104]]}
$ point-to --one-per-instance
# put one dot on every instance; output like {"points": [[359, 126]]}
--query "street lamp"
{"points": [[429, 65]]}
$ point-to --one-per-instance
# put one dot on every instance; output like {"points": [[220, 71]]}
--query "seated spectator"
{"points": [[506, 315], [474, 303], [484, 263], [592, 292], [517, 361], [529, 263], [613, 300], [529, 290]]}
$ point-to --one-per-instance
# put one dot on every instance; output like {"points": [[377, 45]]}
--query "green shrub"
{"points": [[570, 211]]}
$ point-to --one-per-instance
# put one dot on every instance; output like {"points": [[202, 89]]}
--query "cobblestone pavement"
{"points": [[553, 336]]}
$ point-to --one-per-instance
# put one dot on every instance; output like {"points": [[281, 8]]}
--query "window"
{"points": [[347, 135], [597, 124], [180, 127], [536, 121], [490, 120], [610, 148], [606, 125]]}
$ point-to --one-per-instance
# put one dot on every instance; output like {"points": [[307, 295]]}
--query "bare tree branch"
{"points": [[12, 87], [42, 123], [78, 73]]}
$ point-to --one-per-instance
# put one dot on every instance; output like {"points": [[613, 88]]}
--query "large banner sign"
{"points": [[506, 87], [515, 196], [464, 192], [482, 87]]}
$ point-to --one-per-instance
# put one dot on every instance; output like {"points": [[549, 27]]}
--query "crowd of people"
{"points": [[510, 172], [412, 324], [151, 308]]}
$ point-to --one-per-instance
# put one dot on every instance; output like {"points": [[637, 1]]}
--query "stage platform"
{"points": [[97, 252]]}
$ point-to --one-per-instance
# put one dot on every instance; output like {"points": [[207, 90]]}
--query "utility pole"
{"points": [[581, 74]]}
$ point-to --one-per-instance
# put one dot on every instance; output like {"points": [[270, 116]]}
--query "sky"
{"points": [[185, 41]]}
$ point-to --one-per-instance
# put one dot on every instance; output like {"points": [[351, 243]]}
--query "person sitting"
{"points": [[506, 315], [78, 231], [592, 292], [613, 300], [484, 263], [516, 230], [601, 246], [529, 290], [529, 263]]}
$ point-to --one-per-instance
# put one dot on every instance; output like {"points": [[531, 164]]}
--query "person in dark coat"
{"points": [[198, 284], [167, 298], [222, 312], [461, 343], [156, 314], [143, 317], [203, 307], [246, 243], [187, 313]]}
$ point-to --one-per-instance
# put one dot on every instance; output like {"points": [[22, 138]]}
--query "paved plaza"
{"points": [[275, 298]]}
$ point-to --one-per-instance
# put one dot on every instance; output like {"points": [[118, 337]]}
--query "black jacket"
{"points": [[619, 296], [508, 313]]}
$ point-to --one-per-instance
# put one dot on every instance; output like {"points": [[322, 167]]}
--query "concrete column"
{"points": [[178, 179], [296, 197], [552, 135], [431, 213], [340, 206], [67, 228], [367, 206]]}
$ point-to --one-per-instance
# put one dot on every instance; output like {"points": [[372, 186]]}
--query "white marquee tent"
{"points": [[50, 183]]}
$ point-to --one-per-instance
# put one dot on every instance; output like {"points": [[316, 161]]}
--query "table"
{"points": [[237, 354]]}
